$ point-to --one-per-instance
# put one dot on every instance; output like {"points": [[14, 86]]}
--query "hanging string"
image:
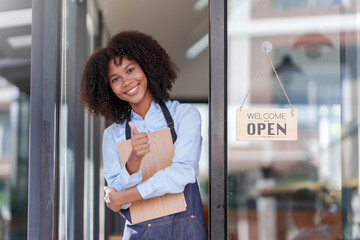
{"points": [[257, 72], [281, 85], [277, 76]]}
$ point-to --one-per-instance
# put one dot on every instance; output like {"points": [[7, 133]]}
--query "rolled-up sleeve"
{"points": [[115, 175], [184, 166]]}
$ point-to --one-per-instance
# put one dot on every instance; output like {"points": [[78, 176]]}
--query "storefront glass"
{"points": [[14, 143], [75, 169], [308, 187]]}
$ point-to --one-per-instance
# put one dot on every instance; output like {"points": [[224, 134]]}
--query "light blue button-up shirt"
{"points": [[184, 168]]}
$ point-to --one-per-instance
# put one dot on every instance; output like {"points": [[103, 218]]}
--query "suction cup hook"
{"points": [[266, 46]]}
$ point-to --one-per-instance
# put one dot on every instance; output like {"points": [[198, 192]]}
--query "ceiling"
{"points": [[177, 25], [15, 62]]}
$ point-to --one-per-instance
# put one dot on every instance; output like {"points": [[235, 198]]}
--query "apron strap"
{"points": [[127, 128], [168, 118]]}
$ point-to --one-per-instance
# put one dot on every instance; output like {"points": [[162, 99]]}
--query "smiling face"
{"points": [[129, 83]]}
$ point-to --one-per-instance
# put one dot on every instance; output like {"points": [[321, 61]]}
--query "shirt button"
{"points": [[146, 129]]}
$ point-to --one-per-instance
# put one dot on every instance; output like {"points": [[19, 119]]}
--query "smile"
{"points": [[133, 90]]}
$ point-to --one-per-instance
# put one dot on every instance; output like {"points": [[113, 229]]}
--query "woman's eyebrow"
{"points": [[129, 65]]}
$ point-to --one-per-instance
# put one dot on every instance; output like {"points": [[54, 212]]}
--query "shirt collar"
{"points": [[153, 108]]}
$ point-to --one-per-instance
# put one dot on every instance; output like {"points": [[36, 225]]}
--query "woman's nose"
{"points": [[126, 82]]}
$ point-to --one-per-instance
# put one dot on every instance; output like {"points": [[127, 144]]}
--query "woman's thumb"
{"points": [[133, 128]]}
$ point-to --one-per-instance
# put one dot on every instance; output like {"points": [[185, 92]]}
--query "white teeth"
{"points": [[132, 90]]}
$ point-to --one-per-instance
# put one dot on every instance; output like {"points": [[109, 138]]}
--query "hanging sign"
{"points": [[266, 124]]}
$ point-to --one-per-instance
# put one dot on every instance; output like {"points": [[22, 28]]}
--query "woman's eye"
{"points": [[114, 80], [130, 70]]}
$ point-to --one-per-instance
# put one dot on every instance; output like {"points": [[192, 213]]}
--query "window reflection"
{"points": [[304, 210], [309, 187], [14, 121]]}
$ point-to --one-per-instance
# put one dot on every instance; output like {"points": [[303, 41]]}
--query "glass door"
{"points": [[308, 188]]}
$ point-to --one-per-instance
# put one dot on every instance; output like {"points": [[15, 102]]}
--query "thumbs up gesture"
{"points": [[140, 147]]}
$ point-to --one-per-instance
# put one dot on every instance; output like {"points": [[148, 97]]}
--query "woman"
{"points": [[129, 83]]}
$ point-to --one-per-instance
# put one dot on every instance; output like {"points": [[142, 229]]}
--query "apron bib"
{"points": [[187, 225]]}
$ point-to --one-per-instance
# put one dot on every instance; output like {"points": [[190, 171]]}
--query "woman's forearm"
{"points": [[127, 196], [133, 164], [114, 200]]}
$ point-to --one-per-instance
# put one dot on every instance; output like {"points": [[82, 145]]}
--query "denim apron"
{"points": [[187, 225]]}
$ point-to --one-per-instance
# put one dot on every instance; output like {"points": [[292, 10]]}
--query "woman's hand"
{"points": [[111, 199], [140, 147], [114, 200]]}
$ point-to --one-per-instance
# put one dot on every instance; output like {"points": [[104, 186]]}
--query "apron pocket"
{"points": [[187, 228]]}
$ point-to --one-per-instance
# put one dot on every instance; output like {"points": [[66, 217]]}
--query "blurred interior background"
{"points": [[316, 54], [15, 48]]}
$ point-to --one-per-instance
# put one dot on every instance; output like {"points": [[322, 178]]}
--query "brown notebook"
{"points": [[159, 157]]}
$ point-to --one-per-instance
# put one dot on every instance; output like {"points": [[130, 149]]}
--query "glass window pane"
{"points": [[289, 189], [14, 148]]}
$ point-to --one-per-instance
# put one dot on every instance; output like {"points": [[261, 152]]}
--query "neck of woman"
{"points": [[143, 107]]}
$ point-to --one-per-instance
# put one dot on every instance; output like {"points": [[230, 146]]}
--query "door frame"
{"points": [[218, 120]]}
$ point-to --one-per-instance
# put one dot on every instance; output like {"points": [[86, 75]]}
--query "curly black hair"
{"points": [[95, 90]]}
